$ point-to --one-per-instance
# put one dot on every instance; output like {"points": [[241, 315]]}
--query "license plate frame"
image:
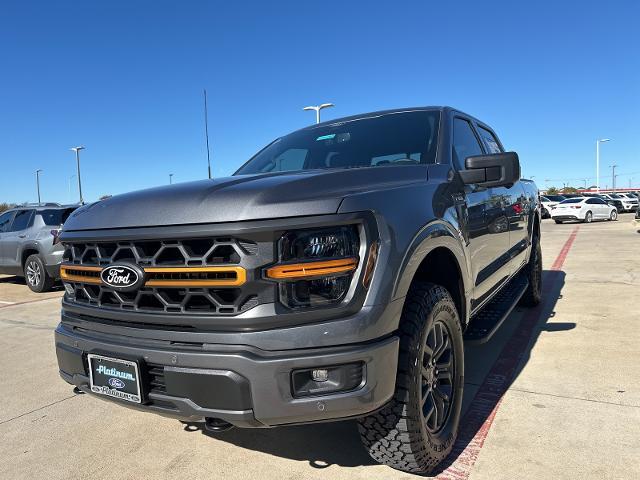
{"points": [[119, 383]]}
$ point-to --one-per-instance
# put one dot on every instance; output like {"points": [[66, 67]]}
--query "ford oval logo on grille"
{"points": [[115, 383], [122, 277]]}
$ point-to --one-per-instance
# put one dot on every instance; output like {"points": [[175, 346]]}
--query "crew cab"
{"points": [[333, 276]]}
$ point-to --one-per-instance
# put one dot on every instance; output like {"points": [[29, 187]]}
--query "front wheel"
{"points": [[613, 216], [36, 276], [418, 427], [588, 217]]}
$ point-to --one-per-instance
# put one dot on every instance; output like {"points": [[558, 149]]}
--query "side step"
{"points": [[488, 320]]}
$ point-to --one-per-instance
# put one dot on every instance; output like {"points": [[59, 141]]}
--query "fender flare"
{"points": [[437, 234]]}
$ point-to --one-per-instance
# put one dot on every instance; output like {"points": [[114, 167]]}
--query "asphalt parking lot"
{"points": [[556, 393]]}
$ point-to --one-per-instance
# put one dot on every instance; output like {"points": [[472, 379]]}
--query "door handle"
{"points": [[22, 236]]}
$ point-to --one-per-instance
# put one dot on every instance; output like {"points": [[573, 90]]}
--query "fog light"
{"points": [[320, 375], [323, 381]]}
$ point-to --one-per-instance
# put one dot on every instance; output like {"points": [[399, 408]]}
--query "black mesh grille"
{"points": [[166, 253]]}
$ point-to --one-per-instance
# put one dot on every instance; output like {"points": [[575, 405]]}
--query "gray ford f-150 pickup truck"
{"points": [[333, 276]]}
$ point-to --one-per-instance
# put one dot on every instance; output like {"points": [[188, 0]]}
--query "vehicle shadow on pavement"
{"points": [[338, 443], [13, 280]]}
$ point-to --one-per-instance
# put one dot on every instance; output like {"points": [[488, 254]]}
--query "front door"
{"points": [[486, 223], [5, 223]]}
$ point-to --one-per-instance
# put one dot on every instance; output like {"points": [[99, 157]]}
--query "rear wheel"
{"points": [[614, 215], [417, 429], [36, 276], [588, 217], [533, 295]]}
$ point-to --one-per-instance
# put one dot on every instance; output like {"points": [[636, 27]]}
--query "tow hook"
{"points": [[216, 425]]}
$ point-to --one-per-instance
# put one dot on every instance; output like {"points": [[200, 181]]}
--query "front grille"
{"points": [[195, 252], [203, 276]]}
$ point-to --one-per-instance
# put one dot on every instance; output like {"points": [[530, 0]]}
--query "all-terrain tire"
{"points": [[533, 270], [401, 434], [36, 276]]}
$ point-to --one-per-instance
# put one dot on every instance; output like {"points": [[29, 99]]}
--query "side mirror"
{"points": [[496, 170]]}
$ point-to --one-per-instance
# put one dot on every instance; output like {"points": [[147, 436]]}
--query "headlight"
{"points": [[316, 266]]}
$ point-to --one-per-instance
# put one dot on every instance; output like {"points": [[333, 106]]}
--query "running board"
{"points": [[488, 320]]}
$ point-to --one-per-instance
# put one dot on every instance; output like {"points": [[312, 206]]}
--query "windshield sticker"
{"points": [[326, 137]]}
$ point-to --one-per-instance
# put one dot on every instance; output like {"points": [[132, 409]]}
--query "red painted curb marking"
{"points": [[477, 421]]}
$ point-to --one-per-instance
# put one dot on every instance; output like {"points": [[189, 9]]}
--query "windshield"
{"points": [[403, 138], [572, 200], [555, 198], [614, 195]]}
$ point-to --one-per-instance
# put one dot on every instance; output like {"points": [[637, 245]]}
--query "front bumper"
{"points": [[242, 385]]}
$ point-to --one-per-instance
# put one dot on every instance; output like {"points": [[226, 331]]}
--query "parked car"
{"points": [[29, 243], [614, 202], [548, 202], [629, 201], [585, 209], [333, 276]]}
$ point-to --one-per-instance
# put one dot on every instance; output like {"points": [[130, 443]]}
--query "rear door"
{"points": [[16, 235]]}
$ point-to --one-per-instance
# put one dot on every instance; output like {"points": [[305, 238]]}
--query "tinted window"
{"points": [[21, 220], [465, 142], [591, 201], [404, 138], [600, 201], [543, 199], [490, 141], [572, 200], [555, 198], [5, 219], [55, 217]]}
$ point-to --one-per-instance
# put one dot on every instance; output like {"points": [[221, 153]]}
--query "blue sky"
{"points": [[125, 79]]}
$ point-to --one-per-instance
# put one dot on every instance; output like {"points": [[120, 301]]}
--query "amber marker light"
{"points": [[296, 271]]}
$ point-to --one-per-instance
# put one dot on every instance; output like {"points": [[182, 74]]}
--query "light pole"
{"points": [[38, 184], [170, 178], [598, 142], [317, 109], [613, 177], [77, 150]]}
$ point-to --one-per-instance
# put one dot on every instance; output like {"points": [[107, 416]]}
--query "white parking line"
{"points": [[7, 303]]}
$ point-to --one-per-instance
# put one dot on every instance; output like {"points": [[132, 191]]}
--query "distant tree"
{"points": [[569, 190], [5, 206], [552, 191]]}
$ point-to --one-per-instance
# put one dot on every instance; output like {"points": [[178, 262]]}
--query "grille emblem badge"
{"points": [[122, 277]]}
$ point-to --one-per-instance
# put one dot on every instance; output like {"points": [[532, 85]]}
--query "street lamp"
{"points": [[170, 178], [77, 150], [38, 184], [598, 142], [317, 109]]}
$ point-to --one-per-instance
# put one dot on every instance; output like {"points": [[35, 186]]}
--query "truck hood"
{"points": [[240, 198]]}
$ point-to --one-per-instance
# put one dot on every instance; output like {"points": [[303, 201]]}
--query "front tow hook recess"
{"points": [[216, 425]]}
